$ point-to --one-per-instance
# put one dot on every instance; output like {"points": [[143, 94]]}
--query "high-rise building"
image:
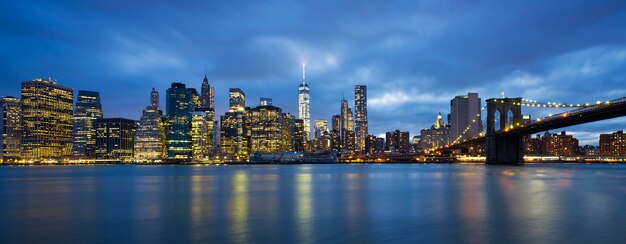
{"points": [[360, 107], [321, 126], [347, 134], [200, 135], [465, 115], [336, 122], [299, 136], [47, 119], [236, 100], [234, 128], [304, 105], [398, 141], [207, 95], [88, 108], [266, 128], [289, 130], [179, 106], [438, 135], [374, 145], [149, 138], [10, 129], [115, 138]]}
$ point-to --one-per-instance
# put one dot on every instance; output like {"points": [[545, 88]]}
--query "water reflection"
{"points": [[313, 203], [239, 207]]}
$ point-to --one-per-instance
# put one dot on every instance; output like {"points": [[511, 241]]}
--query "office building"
{"points": [[465, 120], [179, 106], [398, 141], [200, 135], [10, 129], [235, 126], [115, 138], [266, 128], [150, 137], [437, 136], [88, 109], [47, 119]]}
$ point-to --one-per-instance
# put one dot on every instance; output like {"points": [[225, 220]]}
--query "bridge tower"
{"points": [[504, 149]]}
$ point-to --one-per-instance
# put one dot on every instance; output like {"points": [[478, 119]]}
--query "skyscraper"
{"points": [[149, 138], [88, 109], [115, 138], [465, 113], [207, 95], [10, 129], [200, 135], [47, 119], [234, 139], [360, 106], [321, 126], [179, 108], [347, 134], [304, 105], [267, 128]]}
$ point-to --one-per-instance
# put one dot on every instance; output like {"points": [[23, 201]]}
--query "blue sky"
{"points": [[414, 56]]}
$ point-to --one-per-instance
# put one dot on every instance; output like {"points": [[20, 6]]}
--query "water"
{"points": [[314, 203]]}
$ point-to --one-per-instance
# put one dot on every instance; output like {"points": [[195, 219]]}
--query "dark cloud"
{"points": [[413, 55]]}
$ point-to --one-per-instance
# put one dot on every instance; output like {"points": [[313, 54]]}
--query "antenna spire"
{"points": [[303, 72]]}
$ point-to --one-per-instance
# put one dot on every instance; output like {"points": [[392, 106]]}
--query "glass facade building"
{"points": [[88, 109], [115, 138], [47, 119], [179, 105]]}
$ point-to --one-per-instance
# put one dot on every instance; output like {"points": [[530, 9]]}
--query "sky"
{"points": [[414, 56]]}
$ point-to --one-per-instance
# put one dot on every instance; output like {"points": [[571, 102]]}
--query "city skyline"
{"points": [[411, 58]]}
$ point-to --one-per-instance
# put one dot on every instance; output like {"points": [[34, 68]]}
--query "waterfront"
{"points": [[553, 203]]}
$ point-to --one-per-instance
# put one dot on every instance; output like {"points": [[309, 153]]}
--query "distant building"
{"points": [[589, 150], [613, 144], [398, 141], [465, 120], [200, 135], [88, 109], [180, 105], [150, 138], [288, 133], [336, 122], [559, 144], [207, 97], [115, 138], [267, 128], [374, 145], [533, 146], [300, 140], [304, 104], [234, 128], [348, 137], [438, 135], [322, 140], [47, 119], [361, 124], [321, 126], [11, 129], [265, 101]]}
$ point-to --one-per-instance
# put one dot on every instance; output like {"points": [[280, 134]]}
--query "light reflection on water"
{"points": [[313, 203]]}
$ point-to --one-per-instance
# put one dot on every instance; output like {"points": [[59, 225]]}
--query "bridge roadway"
{"points": [[602, 111]]}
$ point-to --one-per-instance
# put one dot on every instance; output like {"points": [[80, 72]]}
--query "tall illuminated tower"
{"points": [[304, 105], [360, 106]]}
